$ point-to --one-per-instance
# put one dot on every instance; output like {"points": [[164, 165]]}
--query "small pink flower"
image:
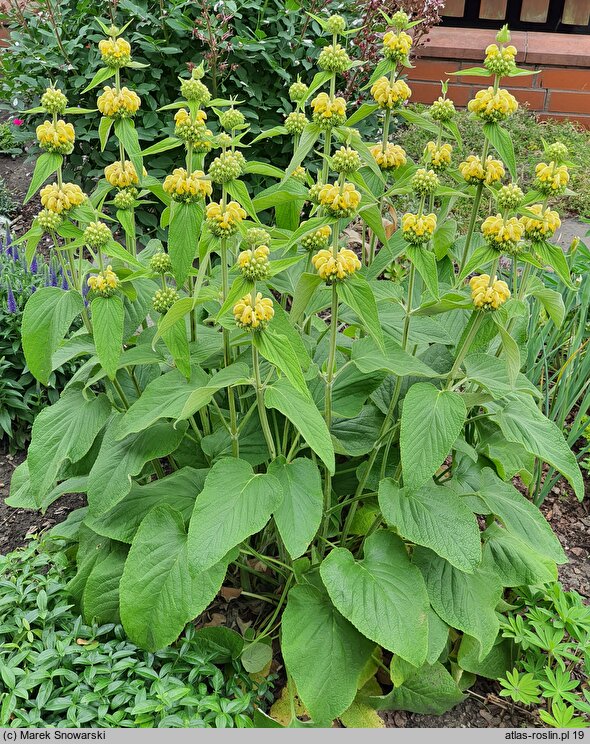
{"points": [[18, 122]]}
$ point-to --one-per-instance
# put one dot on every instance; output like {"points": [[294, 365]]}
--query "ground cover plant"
{"points": [[58, 671], [256, 405]]}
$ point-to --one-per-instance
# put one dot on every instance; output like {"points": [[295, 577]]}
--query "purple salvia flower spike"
{"points": [[12, 307]]}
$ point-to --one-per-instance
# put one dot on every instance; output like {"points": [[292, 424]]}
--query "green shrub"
{"points": [[256, 406], [549, 630], [7, 203], [57, 671]]}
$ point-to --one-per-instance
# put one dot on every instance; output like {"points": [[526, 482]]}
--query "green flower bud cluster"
{"points": [[231, 119], [510, 196], [256, 237], [49, 220], [335, 24], [97, 234], [333, 58], [557, 152], [295, 122], [226, 167], [164, 299], [314, 193], [54, 101], [125, 198], [194, 90], [346, 160], [316, 241], [160, 263], [443, 109], [400, 20], [298, 92], [299, 174], [424, 182]]}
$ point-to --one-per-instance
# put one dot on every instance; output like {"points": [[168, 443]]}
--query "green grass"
{"points": [[527, 134]]}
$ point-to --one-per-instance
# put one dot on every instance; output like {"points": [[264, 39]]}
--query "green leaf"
{"points": [[160, 589], [464, 601], [107, 323], [430, 691], [234, 504], [520, 516], [472, 71], [305, 289], [444, 238], [239, 191], [307, 140], [272, 132], [277, 349], [104, 129], [178, 490], [356, 292], [431, 421], [46, 165], [176, 341], [324, 654], [116, 250], [382, 595], [256, 657], [235, 374], [63, 432], [127, 134], [281, 193], [48, 314], [494, 665], [100, 600], [425, 263], [169, 143], [489, 372], [101, 75], [299, 515], [303, 413], [514, 561], [111, 476], [552, 301], [368, 358], [502, 141], [164, 397], [554, 256], [435, 517], [521, 421], [510, 351], [478, 260], [371, 216], [366, 109], [183, 235]]}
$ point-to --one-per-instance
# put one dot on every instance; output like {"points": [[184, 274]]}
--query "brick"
{"points": [[564, 78], [467, 43], [572, 50], [580, 119], [432, 70], [534, 97], [569, 102], [429, 92]]}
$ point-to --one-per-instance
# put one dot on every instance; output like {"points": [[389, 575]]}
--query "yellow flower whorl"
{"points": [[340, 201], [115, 52], [397, 46], [187, 187], [493, 106], [542, 228], [328, 112], [224, 222], [118, 105], [502, 234], [474, 171], [551, 178], [121, 174], [254, 263], [335, 268], [104, 283], [60, 200], [418, 229], [438, 156], [388, 95], [488, 295], [253, 317], [393, 156], [500, 60], [57, 137]]}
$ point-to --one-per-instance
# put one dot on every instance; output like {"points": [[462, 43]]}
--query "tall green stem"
{"points": [[261, 407]]}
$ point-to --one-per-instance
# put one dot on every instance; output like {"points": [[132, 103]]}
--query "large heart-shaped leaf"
{"points": [[383, 595], [435, 517], [234, 504], [324, 654], [432, 420], [160, 589], [514, 561], [430, 690]]}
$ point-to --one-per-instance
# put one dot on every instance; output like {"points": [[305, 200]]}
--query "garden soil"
{"points": [[483, 708]]}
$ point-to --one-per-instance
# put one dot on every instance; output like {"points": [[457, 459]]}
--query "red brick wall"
{"points": [[560, 90]]}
